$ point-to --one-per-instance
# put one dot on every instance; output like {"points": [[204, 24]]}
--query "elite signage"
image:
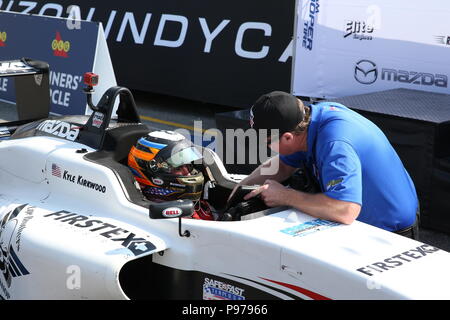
{"points": [[345, 48]]}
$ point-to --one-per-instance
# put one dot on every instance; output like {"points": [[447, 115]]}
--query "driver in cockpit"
{"points": [[162, 162]]}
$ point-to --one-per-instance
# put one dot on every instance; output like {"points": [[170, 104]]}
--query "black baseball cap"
{"points": [[276, 110]]}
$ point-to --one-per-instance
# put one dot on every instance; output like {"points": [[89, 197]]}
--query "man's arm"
{"points": [[320, 206], [272, 169], [317, 205]]}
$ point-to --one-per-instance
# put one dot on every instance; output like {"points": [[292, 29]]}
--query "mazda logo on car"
{"points": [[366, 72]]}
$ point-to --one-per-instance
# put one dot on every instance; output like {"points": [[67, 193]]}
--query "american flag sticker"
{"points": [[56, 170]]}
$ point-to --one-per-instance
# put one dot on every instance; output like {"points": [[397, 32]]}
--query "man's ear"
{"points": [[288, 137]]}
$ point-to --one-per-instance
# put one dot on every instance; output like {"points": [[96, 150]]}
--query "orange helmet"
{"points": [[162, 163]]}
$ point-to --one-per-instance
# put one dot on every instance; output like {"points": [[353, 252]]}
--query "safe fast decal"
{"points": [[11, 228], [218, 290], [398, 260], [137, 245], [309, 227]]}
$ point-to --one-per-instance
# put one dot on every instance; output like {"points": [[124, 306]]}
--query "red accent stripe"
{"points": [[306, 292]]}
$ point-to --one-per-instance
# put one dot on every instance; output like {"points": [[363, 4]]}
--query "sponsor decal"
{"points": [[59, 129], [137, 245], [398, 260], [172, 212], [77, 179], [27, 217], [310, 20], [3, 37], [60, 47], [414, 77], [218, 290], [97, 120], [309, 227], [445, 40], [366, 72], [11, 228], [359, 30], [157, 181], [334, 182]]}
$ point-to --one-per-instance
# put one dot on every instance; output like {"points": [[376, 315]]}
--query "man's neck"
{"points": [[303, 141]]}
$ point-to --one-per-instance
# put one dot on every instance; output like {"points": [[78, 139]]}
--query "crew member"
{"points": [[360, 175]]}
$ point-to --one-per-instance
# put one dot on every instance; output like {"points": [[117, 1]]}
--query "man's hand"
{"points": [[272, 193]]}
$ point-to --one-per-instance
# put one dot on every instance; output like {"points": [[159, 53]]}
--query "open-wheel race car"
{"points": [[75, 225]]}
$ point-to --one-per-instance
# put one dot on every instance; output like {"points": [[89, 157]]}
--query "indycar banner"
{"points": [[71, 48], [224, 52], [354, 47]]}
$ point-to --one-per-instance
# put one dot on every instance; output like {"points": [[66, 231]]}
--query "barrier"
{"points": [[70, 47], [223, 52]]}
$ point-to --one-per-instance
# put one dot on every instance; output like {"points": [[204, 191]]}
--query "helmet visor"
{"points": [[184, 156]]}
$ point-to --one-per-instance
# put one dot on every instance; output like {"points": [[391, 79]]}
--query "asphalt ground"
{"points": [[160, 112]]}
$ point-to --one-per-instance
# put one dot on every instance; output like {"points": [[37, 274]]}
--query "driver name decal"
{"points": [[398, 260], [76, 179], [137, 245]]}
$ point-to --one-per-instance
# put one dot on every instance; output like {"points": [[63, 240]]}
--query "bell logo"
{"points": [[172, 212], [60, 48], [3, 39]]}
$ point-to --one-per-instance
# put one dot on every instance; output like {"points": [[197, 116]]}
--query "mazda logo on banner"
{"points": [[366, 72]]}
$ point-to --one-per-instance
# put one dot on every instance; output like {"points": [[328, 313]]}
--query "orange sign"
{"points": [[60, 48]]}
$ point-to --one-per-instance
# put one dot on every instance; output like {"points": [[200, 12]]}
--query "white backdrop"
{"points": [[347, 47]]}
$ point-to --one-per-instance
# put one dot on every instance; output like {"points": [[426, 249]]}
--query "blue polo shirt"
{"points": [[353, 161]]}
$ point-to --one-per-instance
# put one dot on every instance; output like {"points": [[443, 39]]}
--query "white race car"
{"points": [[73, 225]]}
